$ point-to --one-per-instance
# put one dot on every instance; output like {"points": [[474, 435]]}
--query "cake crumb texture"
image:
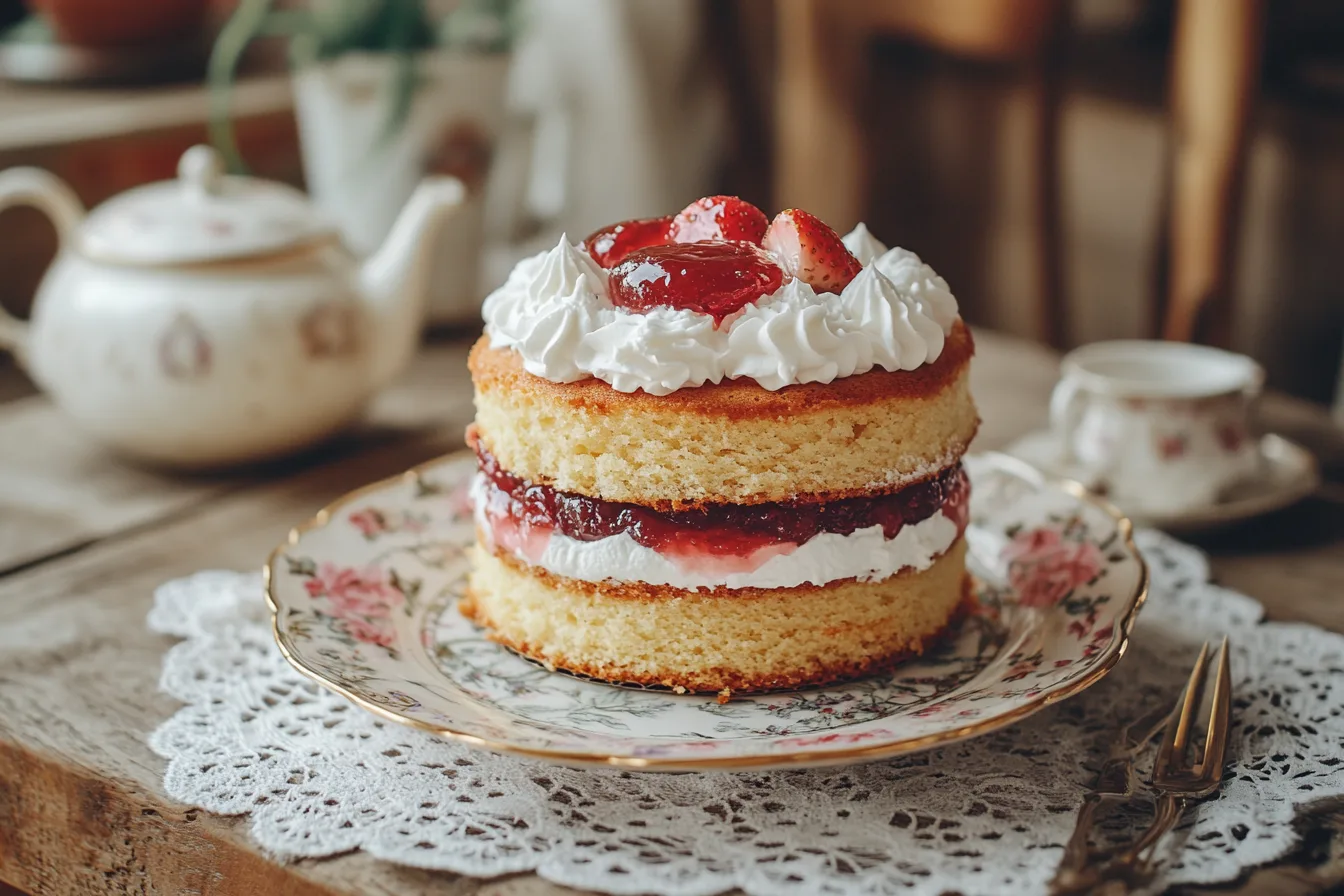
{"points": [[760, 639], [731, 442]]}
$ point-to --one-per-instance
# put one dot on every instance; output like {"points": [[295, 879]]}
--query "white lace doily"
{"points": [[320, 777]]}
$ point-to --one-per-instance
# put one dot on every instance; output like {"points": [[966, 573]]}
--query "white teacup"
{"points": [[1159, 427]]}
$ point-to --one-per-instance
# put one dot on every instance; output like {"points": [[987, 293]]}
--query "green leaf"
{"points": [[247, 22], [425, 488], [301, 566], [327, 28], [410, 588]]}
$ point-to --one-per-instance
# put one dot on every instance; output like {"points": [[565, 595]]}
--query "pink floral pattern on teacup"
{"points": [[362, 598], [1232, 435], [1161, 428], [1172, 447], [1045, 565]]}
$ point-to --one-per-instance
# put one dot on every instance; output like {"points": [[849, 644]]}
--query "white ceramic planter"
{"points": [[360, 173]]}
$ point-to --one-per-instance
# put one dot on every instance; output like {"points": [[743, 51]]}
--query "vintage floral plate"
{"points": [[364, 598]]}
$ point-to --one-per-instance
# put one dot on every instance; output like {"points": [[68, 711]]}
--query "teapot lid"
{"points": [[203, 215]]}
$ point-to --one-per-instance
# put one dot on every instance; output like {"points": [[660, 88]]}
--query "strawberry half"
{"points": [[718, 218], [809, 250], [609, 246]]}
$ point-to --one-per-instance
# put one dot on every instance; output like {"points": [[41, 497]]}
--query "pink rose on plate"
{"points": [[354, 591], [370, 631], [372, 522], [1044, 566], [369, 522]]}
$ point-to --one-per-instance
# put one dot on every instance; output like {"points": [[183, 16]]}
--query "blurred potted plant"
{"points": [[386, 91]]}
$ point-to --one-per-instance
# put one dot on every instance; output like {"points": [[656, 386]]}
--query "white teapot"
{"points": [[213, 318]]}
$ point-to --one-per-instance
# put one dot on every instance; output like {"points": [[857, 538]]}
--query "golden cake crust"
{"points": [[741, 640], [670, 506], [738, 399], [728, 681], [734, 442]]}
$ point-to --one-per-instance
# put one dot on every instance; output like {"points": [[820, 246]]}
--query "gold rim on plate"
{"points": [[784, 760]]}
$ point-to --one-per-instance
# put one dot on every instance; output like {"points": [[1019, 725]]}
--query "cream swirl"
{"points": [[547, 308], [555, 312], [916, 279], [902, 335], [910, 274], [660, 350], [863, 244]]}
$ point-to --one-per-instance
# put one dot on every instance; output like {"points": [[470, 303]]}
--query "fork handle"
{"points": [[1170, 808], [1067, 877]]}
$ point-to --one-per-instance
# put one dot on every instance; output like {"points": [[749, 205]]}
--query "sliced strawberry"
{"points": [[711, 276], [809, 250], [718, 218], [611, 244]]}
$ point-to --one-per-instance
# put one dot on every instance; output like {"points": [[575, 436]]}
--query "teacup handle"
{"points": [[1064, 418], [51, 195]]}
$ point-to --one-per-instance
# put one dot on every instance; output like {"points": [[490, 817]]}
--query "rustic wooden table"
{"points": [[84, 540]]}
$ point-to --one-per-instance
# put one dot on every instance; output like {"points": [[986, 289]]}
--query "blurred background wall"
{"points": [[1026, 148]]}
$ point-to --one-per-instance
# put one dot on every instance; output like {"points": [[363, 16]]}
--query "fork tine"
{"points": [[1210, 765], [1194, 690], [1144, 729], [1177, 737], [1176, 781]]}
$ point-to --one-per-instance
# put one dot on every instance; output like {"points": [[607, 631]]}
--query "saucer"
{"points": [[364, 601], [1289, 474]]}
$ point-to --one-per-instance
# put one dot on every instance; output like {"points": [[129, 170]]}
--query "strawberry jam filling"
{"points": [[727, 537]]}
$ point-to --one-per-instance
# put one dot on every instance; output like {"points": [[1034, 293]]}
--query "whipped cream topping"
{"points": [[865, 554], [863, 244], [554, 311]]}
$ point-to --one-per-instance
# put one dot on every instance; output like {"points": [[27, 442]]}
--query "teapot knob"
{"points": [[201, 169]]}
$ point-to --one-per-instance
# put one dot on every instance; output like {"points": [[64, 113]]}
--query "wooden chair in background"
{"points": [[819, 135], [1215, 68]]}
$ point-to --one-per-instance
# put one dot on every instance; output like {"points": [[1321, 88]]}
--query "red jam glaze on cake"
{"points": [[714, 277], [724, 538], [716, 256], [610, 245], [711, 218]]}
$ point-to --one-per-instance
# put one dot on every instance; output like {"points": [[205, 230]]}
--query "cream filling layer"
{"points": [[865, 554]]}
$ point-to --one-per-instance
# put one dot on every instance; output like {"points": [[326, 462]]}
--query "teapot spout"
{"points": [[395, 279]]}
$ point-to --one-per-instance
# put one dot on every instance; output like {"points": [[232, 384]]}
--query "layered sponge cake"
{"points": [[719, 453]]}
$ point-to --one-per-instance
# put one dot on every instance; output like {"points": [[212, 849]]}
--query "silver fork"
{"points": [[1179, 777], [1116, 782]]}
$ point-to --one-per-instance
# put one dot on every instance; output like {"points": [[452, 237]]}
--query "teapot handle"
{"points": [[52, 196]]}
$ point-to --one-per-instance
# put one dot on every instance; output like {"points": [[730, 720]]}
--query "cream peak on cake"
{"points": [[667, 316]]}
